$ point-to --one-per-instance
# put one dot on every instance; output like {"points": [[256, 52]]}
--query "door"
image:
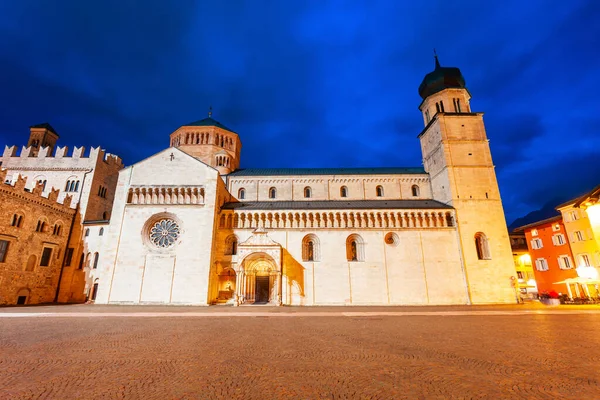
{"points": [[262, 289], [21, 299]]}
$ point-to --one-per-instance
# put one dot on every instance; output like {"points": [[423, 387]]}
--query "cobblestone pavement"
{"points": [[456, 355]]}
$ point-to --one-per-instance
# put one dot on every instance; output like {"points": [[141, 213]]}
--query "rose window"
{"points": [[164, 233]]}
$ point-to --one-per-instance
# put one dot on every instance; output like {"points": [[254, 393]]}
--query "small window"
{"points": [[354, 248], [81, 261], [537, 244], [585, 260], [441, 106], [482, 246], [579, 236], [41, 225], [69, 257], [379, 191], [556, 227], [343, 191], [87, 232], [534, 232], [46, 254], [3, 250], [307, 192], [101, 232], [96, 256], [564, 262], [541, 264], [231, 245], [310, 248], [241, 194], [415, 190], [437, 107], [272, 193], [558, 239]]}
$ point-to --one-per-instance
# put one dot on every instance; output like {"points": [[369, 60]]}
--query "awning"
{"points": [[584, 281]]}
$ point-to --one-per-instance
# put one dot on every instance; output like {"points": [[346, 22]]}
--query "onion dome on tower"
{"points": [[441, 78]]}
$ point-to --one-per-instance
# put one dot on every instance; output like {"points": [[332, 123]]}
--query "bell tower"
{"points": [[457, 157], [210, 142], [42, 135]]}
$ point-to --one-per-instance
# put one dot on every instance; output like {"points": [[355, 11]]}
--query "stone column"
{"points": [[238, 288], [278, 284]]}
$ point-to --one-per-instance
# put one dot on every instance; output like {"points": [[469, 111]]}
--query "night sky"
{"points": [[312, 83]]}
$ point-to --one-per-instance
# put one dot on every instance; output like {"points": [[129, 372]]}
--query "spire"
{"points": [[437, 62], [210, 112]]}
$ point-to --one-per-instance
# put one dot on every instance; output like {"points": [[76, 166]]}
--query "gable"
{"points": [[171, 167]]}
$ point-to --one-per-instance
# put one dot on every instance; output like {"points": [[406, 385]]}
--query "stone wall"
{"points": [[21, 272]]}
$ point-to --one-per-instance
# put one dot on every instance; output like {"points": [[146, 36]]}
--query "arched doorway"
{"points": [[260, 280]]}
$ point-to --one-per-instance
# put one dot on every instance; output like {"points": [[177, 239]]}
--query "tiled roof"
{"points": [[336, 205], [209, 122], [538, 223], [45, 125], [327, 171]]}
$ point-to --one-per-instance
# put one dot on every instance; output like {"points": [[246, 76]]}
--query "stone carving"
{"points": [[164, 233]]}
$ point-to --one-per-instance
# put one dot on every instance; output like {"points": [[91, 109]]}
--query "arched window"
{"points": [[307, 192], [76, 187], [101, 233], [17, 220], [355, 248], [415, 190], [272, 193], [343, 191], [96, 256], [231, 245], [40, 226], [241, 194], [87, 232], [311, 249], [482, 246], [437, 107], [67, 186], [379, 190]]}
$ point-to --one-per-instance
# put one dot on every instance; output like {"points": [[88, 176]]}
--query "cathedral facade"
{"points": [[188, 226]]}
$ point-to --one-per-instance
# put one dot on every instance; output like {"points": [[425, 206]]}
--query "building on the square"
{"points": [[188, 226], [33, 241], [525, 279], [88, 178]]}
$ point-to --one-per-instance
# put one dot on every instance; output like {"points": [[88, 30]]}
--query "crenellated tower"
{"points": [[457, 156], [210, 142]]}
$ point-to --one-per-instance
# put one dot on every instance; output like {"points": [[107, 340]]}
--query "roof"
{"points": [[577, 201], [336, 205], [593, 195], [441, 78], [209, 122], [45, 125], [327, 171], [538, 223]]}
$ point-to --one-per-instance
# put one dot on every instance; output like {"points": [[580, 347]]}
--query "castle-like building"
{"points": [[188, 226]]}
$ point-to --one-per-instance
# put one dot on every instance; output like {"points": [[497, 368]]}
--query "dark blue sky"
{"points": [[312, 83]]}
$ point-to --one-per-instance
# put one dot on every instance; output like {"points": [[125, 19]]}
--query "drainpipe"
{"points": [[64, 260]]}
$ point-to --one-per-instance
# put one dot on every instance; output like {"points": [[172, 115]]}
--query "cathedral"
{"points": [[188, 226]]}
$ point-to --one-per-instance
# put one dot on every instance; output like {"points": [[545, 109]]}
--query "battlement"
{"points": [[78, 155], [19, 189]]}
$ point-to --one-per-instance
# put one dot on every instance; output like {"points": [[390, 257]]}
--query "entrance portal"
{"points": [[262, 289]]}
